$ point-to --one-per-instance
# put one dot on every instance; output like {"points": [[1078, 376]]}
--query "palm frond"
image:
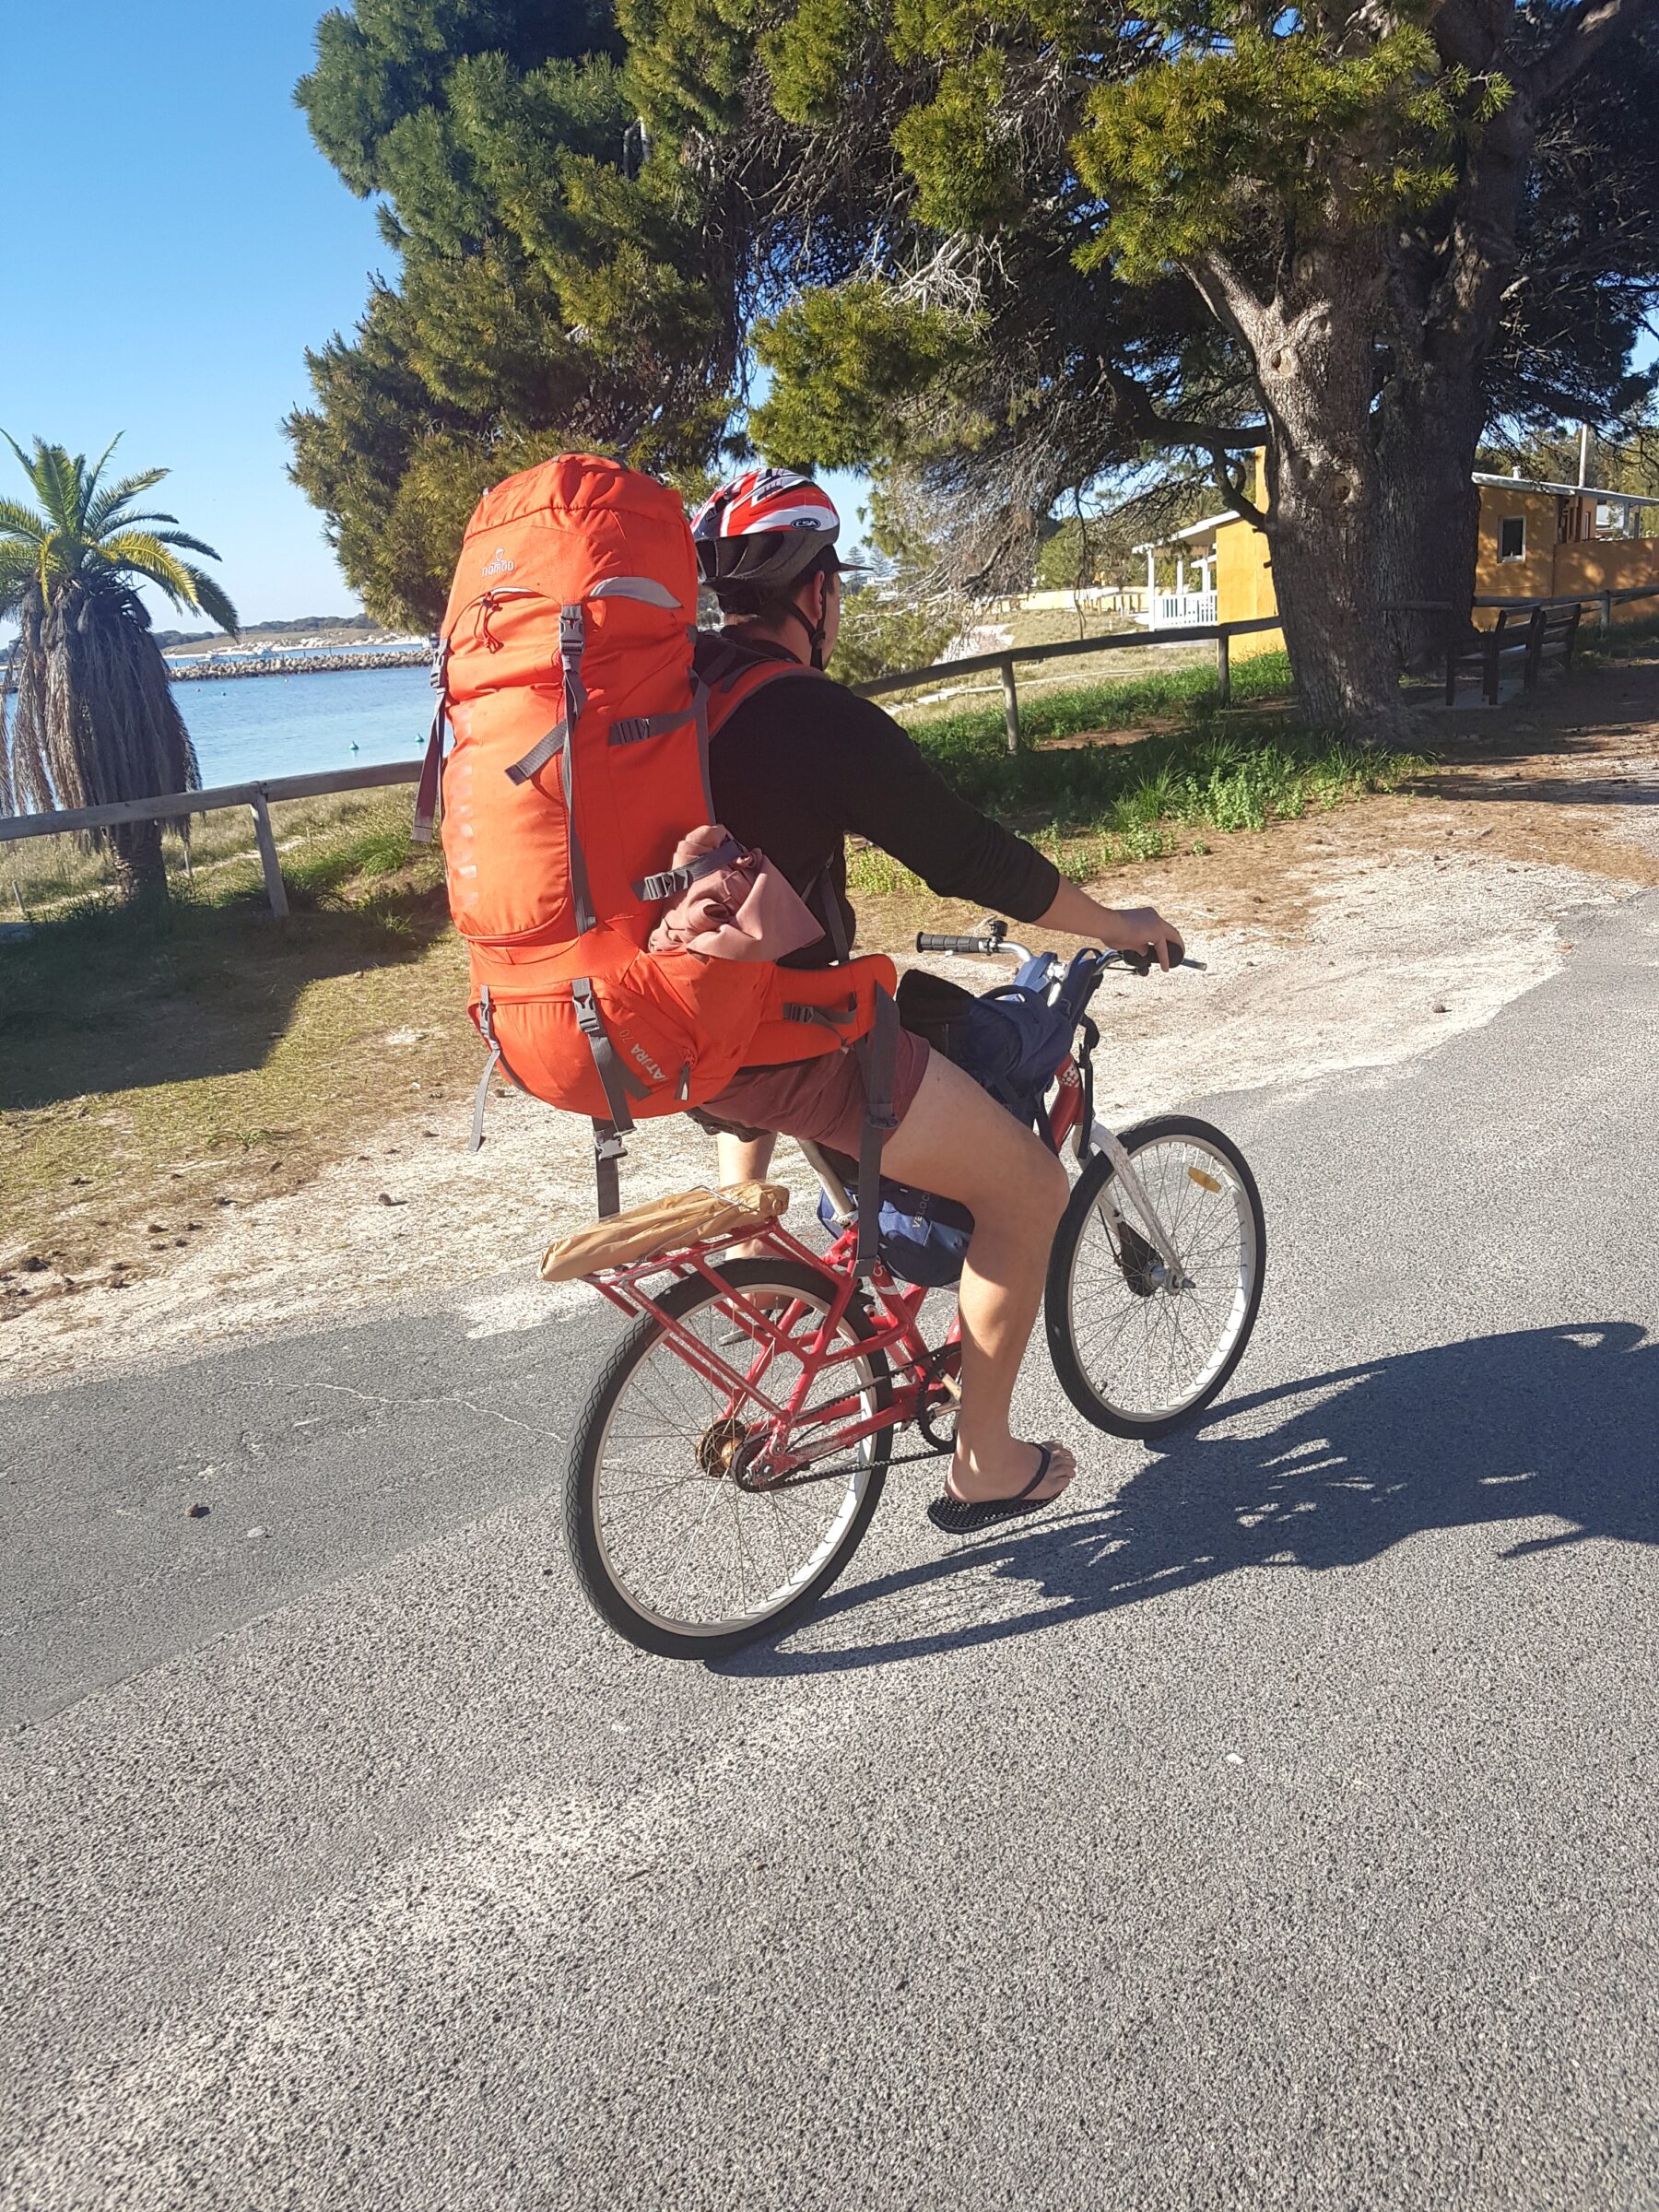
{"points": [[214, 601], [20, 521], [183, 538], [57, 481], [136, 553], [19, 570], [104, 462], [103, 510], [140, 521]]}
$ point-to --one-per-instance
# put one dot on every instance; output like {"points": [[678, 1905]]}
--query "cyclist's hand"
{"points": [[1142, 933]]}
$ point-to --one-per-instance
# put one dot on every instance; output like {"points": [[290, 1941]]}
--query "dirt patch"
{"points": [[1353, 938]]}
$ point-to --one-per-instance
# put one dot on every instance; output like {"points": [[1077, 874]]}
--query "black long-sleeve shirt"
{"points": [[803, 763]]}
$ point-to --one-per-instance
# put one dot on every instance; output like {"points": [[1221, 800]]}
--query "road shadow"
{"points": [[1556, 1424]]}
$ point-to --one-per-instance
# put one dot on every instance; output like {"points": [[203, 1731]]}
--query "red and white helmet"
{"points": [[765, 527]]}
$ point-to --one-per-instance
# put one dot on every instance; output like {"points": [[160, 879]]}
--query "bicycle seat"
{"points": [[739, 1209]]}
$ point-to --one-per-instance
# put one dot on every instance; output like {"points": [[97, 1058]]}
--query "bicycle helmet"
{"points": [[763, 530], [761, 535]]}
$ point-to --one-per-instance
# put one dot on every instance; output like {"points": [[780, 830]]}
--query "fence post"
{"points": [[1606, 612], [1223, 668], [1010, 701], [275, 889]]}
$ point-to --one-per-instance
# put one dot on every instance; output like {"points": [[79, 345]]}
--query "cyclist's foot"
{"points": [[961, 1514]]}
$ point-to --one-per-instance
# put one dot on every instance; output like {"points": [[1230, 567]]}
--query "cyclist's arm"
{"points": [[890, 794], [1137, 929], [872, 780]]}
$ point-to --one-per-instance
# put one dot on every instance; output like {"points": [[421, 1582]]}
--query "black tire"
{"points": [[602, 1586], [1086, 1394]]}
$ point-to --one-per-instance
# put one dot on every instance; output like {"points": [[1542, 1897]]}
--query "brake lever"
{"points": [[1143, 963]]}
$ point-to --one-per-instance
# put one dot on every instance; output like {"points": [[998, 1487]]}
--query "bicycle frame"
{"points": [[924, 1376], [921, 1378]]}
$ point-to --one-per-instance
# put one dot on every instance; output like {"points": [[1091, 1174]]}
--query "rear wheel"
{"points": [[1139, 1348], [679, 1542]]}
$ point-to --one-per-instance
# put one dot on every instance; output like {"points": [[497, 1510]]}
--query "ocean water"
{"points": [[253, 726]]}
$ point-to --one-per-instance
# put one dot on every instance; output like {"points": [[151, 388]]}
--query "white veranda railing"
{"points": [[1176, 610]]}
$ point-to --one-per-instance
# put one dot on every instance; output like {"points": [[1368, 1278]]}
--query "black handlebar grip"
{"points": [[927, 942]]}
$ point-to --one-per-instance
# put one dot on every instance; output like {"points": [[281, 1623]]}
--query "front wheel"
{"points": [[677, 1542], [1140, 1348]]}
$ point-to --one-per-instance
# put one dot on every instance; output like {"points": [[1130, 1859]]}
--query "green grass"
{"points": [[1626, 640], [1094, 806]]}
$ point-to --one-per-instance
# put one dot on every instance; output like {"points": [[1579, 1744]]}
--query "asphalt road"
{"points": [[1273, 1827]]}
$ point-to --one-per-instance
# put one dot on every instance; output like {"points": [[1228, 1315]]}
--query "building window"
{"points": [[1511, 538]]}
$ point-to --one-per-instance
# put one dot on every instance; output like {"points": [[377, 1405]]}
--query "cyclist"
{"points": [[795, 769]]}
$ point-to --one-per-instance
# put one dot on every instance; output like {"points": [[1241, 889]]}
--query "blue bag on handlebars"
{"points": [[1011, 1041]]}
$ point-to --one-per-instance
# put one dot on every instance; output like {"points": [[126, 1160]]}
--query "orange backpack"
{"points": [[580, 759]]}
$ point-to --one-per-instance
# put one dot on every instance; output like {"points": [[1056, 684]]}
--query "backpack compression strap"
{"points": [[877, 1054]]}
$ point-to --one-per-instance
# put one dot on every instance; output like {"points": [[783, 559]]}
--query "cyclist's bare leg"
{"points": [[744, 1158], [958, 1141]]}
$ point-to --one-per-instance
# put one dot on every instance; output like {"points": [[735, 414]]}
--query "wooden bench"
{"points": [[1484, 650], [1538, 634], [1554, 634]]}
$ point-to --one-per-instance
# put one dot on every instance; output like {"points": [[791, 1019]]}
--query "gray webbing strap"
{"points": [[607, 1151], [431, 768], [681, 879], [481, 1098], [644, 588], [633, 729], [573, 634], [618, 1083], [877, 1057], [431, 778], [540, 753]]}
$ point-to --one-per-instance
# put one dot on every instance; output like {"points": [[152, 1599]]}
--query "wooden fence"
{"points": [[259, 796], [1604, 602]]}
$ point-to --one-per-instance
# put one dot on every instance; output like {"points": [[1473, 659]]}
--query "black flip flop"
{"points": [[965, 1517]]}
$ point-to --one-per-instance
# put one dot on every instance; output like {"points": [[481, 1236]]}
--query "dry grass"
{"points": [[152, 1061], [155, 1064]]}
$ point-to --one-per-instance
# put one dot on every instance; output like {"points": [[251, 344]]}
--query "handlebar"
{"points": [[994, 940], [985, 946]]}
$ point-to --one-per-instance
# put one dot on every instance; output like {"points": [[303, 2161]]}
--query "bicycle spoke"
{"points": [[1145, 1347], [692, 1546]]}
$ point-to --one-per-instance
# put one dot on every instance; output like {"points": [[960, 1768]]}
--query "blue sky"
{"points": [[177, 245], [188, 244]]}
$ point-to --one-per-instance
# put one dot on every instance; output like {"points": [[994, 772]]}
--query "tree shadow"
{"points": [[1555, 1424], [1610, 790], [101, 1000]]}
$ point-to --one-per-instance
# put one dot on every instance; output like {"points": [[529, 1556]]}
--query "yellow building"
{"points": [[1537, 541]]}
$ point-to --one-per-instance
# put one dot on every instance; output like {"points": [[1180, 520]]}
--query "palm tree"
{"points": [[95, 719]]}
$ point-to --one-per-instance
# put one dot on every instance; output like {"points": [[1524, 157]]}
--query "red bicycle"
{"points": [[733, 1448]]}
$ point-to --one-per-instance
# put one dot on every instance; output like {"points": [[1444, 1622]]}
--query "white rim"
{"points": [[666, 1531], [1149, 1358]]}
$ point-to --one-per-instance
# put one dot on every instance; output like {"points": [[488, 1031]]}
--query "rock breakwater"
{"points": [[295, 663]]}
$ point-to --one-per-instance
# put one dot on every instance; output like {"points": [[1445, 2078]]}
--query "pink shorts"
{"points": [[821, 1101]]}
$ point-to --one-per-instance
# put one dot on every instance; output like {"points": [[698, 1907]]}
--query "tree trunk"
{"points": [[1443, 307], [1312, 351], [1428, 435], [139, 871]]}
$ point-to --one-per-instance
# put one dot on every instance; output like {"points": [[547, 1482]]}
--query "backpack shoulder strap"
{"points": [[729, 674]]}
